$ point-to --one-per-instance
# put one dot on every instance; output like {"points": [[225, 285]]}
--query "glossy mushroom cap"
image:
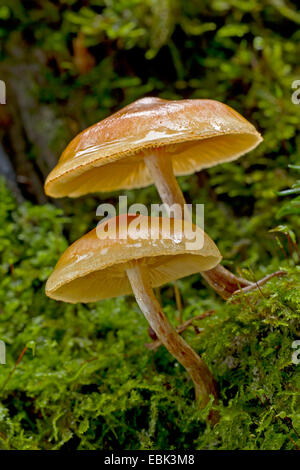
{"points": [[94, 267], [109, 155]]}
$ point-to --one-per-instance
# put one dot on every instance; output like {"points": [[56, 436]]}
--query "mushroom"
{"points": [[104, 263], [151, 141]]}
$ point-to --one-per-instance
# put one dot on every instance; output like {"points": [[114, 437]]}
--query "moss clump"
{"points": [[86, 381]]}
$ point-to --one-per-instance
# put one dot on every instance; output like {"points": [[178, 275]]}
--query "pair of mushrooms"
{"points": [[149, 141]]}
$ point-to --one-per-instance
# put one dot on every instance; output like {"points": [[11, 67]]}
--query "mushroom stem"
{"points": [[203, 380], [219, 278], [156, 343], [224, 282], [166, 183]]}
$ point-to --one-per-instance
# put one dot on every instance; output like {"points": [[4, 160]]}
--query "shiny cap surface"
{"points": [[94, 267], [109, 155]]}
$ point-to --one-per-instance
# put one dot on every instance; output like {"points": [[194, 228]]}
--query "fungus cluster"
{"points": [[149, 141], [98, 266]]}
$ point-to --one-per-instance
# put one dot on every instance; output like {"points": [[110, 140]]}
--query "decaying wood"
{"points": [[7, 171], [34, 128]]}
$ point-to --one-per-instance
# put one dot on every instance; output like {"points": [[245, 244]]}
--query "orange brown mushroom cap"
{"points": [[109, 155], [95, 268]]}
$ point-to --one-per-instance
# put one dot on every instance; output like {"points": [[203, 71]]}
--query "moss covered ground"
{"points": [[80, 376]]}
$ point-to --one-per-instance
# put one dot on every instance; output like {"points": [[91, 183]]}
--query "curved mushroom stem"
{"points": [[219, 278], [224, 282], [203, 380]]}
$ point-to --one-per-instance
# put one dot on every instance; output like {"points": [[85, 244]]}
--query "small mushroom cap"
{"points": [[94, 267], [109, 155]]}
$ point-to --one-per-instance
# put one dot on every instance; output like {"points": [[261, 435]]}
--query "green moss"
{"points": [[86, 380]]}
